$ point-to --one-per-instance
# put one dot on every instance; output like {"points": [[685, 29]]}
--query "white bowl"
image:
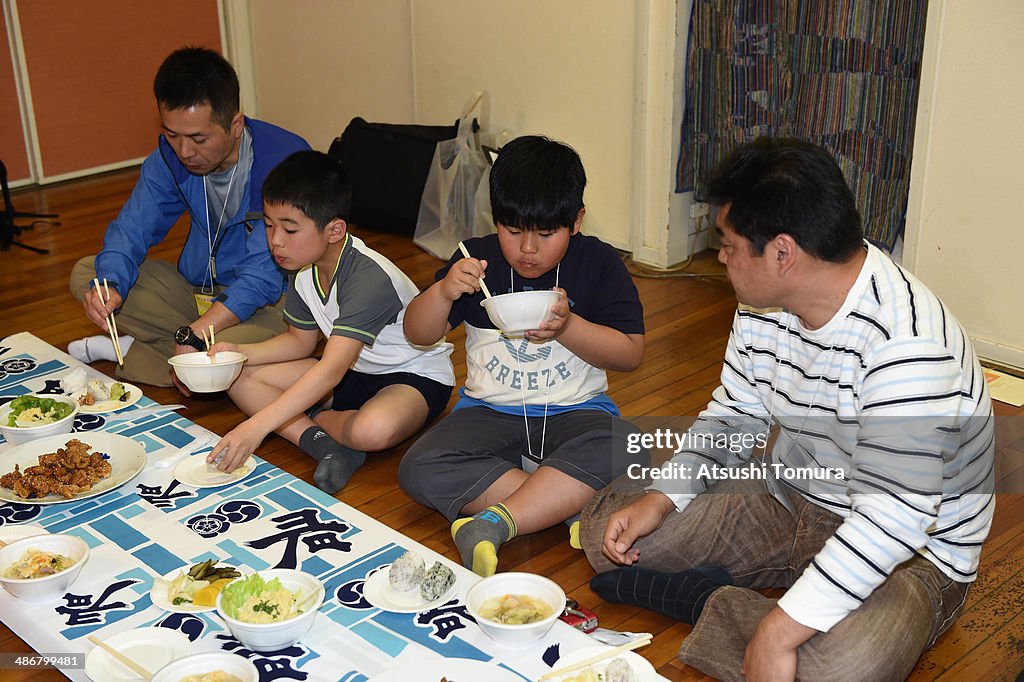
{"points": [[529, 584], [274, 636], [205, 374], [206, 663], [51, 587], [520, 311], [16, 435]]}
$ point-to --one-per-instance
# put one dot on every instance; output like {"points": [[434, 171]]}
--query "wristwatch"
{"points": [[184, 336]]}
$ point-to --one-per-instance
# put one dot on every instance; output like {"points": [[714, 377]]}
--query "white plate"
{"points": [[192, 471], [126, 460], [152, 648], [645, 672], [378, 591], [158, 595], [134, 395], [10, 533], [455, 669]]}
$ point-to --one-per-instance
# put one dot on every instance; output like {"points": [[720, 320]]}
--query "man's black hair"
{"points": [[537, 184], [788, 186], [193, 76], [312, 182]]}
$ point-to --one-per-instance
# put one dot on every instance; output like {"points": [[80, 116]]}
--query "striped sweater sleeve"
{"points": [[910, 403], [735, 408]]}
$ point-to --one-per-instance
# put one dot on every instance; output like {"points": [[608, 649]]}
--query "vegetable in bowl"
{"points": [[254, 600], [30, 410]]}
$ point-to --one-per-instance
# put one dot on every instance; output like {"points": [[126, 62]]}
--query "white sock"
{"points": [[93, 348]]}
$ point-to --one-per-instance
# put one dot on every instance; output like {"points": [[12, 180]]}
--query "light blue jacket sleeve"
{"points": [[154, 206]]}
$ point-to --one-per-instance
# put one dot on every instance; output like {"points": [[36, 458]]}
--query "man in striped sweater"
{"points": [[872, 504]]}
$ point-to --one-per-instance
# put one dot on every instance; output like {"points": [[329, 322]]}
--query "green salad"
{"points": [[29, 410], [254, 600]]}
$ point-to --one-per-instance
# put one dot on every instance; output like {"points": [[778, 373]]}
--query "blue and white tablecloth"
{"points": [[154, 524]]}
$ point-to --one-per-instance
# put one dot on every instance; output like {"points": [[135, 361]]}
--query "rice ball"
{"points": [[407, 572], [437, 581]]}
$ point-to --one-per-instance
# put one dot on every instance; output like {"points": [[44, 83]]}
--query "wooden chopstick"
{"points": [[132, 665], [111, 324], [213, 358], [483, 287], [611, 653]]}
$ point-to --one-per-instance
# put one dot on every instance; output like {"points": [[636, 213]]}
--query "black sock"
{"points": [[680, 596], [337, 462]]}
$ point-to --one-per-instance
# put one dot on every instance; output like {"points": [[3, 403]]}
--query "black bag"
{"points": [[387, 165]]}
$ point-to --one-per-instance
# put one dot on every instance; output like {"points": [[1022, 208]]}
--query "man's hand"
{"points": [[631, 523], [236, 447], [463, 278], [96, 310], [554, 327], [772, 652]]}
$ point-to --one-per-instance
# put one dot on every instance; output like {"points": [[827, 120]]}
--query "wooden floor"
{"points": [[688, 322]]}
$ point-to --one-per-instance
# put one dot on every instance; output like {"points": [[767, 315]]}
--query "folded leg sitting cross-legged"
{"points": [[739, 533], [469, 467], [368, 413]]}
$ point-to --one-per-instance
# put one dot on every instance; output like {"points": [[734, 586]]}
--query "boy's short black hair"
{"points": [[785, 185], [193, 76], [537, 184], [312, 182]]}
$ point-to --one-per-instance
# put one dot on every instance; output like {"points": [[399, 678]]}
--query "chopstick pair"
{"points": [[209, 341], [111, 323], [122, 658], [586, 663]]}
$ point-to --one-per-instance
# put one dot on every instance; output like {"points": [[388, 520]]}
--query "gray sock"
{"points": [[478, 538], [337, 462]]}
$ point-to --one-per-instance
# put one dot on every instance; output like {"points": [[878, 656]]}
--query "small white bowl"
{"points": [[529, 584], [205, 374], [521, 311], [51, 587], [206, 663], [16, 435], [274, 636]]}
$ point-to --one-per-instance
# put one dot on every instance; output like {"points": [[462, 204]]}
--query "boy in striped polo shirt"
{"points": [[872, 505], [380, 389]]}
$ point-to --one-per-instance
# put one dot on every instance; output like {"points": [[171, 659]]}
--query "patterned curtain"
{"points": [[842, 73]]}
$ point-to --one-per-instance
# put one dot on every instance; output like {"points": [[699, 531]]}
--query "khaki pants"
{"points": [[740, 526], [160, 302]]}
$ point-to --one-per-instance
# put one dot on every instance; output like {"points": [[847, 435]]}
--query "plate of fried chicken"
{"points": [[67, 467]]}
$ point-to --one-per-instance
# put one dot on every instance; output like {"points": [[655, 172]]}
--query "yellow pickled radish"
{"points": [[221, 583], [206, 596]]}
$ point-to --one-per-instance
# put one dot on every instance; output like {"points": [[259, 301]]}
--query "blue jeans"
{"points": [[740, 526]]}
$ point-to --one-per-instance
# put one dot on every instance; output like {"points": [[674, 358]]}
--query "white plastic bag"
{"points": [[456, 202]]}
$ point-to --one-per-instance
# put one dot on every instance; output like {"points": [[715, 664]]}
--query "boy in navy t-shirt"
{"points": [[534, 434]]}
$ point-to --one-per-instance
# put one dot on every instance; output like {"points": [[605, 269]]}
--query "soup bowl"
{"points": [[518, 312], [528, 584]]}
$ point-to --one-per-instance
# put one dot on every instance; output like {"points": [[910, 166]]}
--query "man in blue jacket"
{"points": [[210, 162]]}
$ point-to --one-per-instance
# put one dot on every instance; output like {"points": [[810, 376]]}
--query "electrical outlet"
{"points": [[698, 209]]}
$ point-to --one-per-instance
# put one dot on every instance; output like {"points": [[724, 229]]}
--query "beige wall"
{"points": [[556, 68], [597, 74], [319, 63], [964, 233]]}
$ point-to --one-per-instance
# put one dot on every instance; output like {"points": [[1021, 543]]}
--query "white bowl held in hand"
{"points": [[206, 663], [528, 584], [203, 373], [284, 633], [520, 311], [16, 435], [47, 588]]}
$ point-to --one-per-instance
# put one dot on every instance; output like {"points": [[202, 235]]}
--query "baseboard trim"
{"points": [[998, 352]]}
